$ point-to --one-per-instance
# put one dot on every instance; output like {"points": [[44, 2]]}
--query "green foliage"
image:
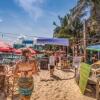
{"points": [[66, 29], [71, 25]]}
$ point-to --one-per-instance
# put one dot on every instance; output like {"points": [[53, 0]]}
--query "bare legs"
{"points": [[51, 72], [24, 97]]}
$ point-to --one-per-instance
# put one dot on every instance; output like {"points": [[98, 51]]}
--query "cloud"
{"points": [[33, 7]]}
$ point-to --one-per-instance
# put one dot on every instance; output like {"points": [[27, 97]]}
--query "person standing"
{"points": [[52, 64], [24, 71]]}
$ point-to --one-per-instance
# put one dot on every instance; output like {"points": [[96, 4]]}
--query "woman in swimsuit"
{"points": [[25, 70]]}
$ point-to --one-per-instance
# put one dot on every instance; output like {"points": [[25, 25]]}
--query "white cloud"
{"points": [[32, 7]]}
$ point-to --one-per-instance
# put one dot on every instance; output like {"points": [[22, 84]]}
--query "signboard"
{"points": [[84, 74], [76, 61]]}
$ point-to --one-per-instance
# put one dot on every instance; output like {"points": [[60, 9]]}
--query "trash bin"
{"points": [[44, 63]]}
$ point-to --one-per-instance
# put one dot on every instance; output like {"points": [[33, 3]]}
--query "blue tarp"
{"points": [[52, 41]]}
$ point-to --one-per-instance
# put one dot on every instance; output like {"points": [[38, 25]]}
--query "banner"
{"points": [[84, 75]]}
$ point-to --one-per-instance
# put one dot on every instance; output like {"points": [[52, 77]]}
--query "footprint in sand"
{"points": [[46, 85], [57, 96], [36, 98], [56, 88]]}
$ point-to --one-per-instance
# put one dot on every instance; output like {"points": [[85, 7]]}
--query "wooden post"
{"points": [[98, 55], [97, 89], [84, 39]]}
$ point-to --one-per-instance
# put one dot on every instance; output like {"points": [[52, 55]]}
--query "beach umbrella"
{"points": [[4, 47], [17, 51], [32, 51]]}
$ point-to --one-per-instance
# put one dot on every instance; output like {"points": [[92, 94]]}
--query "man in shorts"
{"points": [[52, 64]]}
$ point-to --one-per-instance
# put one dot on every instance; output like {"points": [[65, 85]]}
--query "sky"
{"points": [[31, 17]]}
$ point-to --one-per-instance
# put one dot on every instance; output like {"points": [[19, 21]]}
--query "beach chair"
{"points": [[94, 77]]}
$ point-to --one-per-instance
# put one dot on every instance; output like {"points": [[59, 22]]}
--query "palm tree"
{"points": [[94, 6], [66, 29]]}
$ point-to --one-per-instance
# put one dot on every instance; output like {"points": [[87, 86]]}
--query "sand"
{"points": [[61, 87]]}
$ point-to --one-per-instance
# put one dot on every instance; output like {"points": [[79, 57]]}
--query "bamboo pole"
{"points": [[84, 39]]}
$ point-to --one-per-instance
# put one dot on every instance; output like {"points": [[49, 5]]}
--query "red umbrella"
{"points": [[4, 47], [17, 51], [32, 51]]}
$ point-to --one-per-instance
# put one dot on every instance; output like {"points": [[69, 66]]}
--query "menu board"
{"points": [[76, 61]]}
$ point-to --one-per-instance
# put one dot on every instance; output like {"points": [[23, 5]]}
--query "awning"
{"points": [[53, 41], [94, 48]]}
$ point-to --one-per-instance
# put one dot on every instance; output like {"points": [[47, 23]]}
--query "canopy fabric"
{"points": [[17, 51], [32, 51], [6, 49], [53, 41], [94, 48]]}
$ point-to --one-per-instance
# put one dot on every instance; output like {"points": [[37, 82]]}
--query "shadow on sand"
{"points": [[68, 70], [91, 91], [55, 77], [15, 97]]}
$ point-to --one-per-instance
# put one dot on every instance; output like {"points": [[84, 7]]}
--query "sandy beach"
{"points": [[61, 87]]}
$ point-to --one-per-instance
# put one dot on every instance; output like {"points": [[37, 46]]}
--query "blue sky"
{"points": [[32, 17]]}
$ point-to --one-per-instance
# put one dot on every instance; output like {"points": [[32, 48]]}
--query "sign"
{"points": [[76, 61], [84, 74]]}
